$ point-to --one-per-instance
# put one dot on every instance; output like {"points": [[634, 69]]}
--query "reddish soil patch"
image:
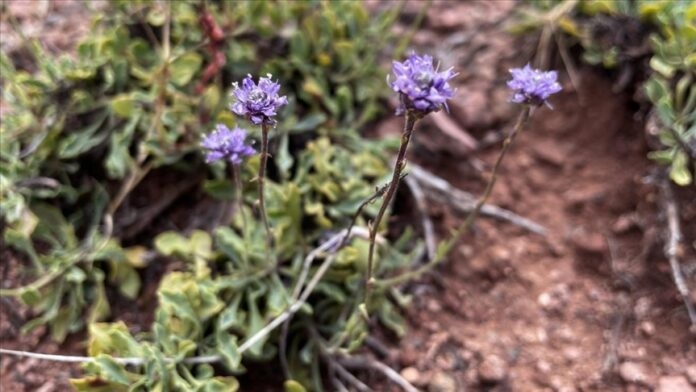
{"points": [[517, 311]]}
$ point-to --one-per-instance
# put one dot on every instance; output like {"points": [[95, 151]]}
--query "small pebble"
{"points": [[633, 372], [442, 382], [647, 328], [691, 374], [492, 370], [673, 384], [412, 375]]}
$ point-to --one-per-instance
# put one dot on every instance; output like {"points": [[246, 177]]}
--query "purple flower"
{"points": [[224, 143], [532, 86], [420, 86], [258, 103]]}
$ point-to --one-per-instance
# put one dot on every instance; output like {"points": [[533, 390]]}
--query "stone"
{"points": [[624, 223], [691, 374], [647, 328], [555, 299], [412, 375], [551, 153], [673, 384], [492, 369], [442, 382], [633, 372], [589, 242]]}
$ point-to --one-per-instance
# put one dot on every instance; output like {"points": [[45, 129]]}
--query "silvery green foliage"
{"points": [[80, 130]]}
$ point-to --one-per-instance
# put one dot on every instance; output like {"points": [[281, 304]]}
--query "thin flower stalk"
{"points": [[388, 196], [261, 181], [422, 90], [259, 103]]}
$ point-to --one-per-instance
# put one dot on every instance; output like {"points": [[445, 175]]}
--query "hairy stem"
{"points": [[388, 196]]}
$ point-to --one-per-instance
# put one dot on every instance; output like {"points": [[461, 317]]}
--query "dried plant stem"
{"points": [[672, 246], [261, 180], [133, 361], [365, 362], [443, 192], [391, 191], [426, 222], [443, 251], [296, 305]]}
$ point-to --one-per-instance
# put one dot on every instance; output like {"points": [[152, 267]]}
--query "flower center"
{"points": [[257, 96], [423, 79]]}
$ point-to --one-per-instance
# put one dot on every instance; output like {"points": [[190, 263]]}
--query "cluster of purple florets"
{"points": [[531, 86], [257, 103], [422, 89], [225, 143]]}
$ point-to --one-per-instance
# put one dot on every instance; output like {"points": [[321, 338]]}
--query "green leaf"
{"points": [[30, 297], [219, 189], [170, 243], [83, 140], [96, 384], [123, 105], [293, 386], [156, 16], [679, 172], [221, 384], [112, 338], [227, 348], [119, 159], [201, 244], [111, 371], [184, 67], [310, 123]]}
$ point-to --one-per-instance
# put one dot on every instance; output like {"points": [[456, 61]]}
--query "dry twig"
{"points": [[673, 243], [444, 192], [426, 222], [365, 362]]}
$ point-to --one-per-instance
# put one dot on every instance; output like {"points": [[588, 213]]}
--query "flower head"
{"points": [[532, 86], [224, 143], [420, 86], [258, 103]]}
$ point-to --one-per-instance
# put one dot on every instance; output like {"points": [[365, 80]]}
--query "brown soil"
{"points": [[590, 306]]}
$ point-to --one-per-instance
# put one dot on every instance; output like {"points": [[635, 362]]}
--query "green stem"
{"points": [[388, 196], [456, 236]]}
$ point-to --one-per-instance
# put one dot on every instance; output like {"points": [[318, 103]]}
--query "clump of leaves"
{"points": [[671, 87], [621, 34], [84, 134]]}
